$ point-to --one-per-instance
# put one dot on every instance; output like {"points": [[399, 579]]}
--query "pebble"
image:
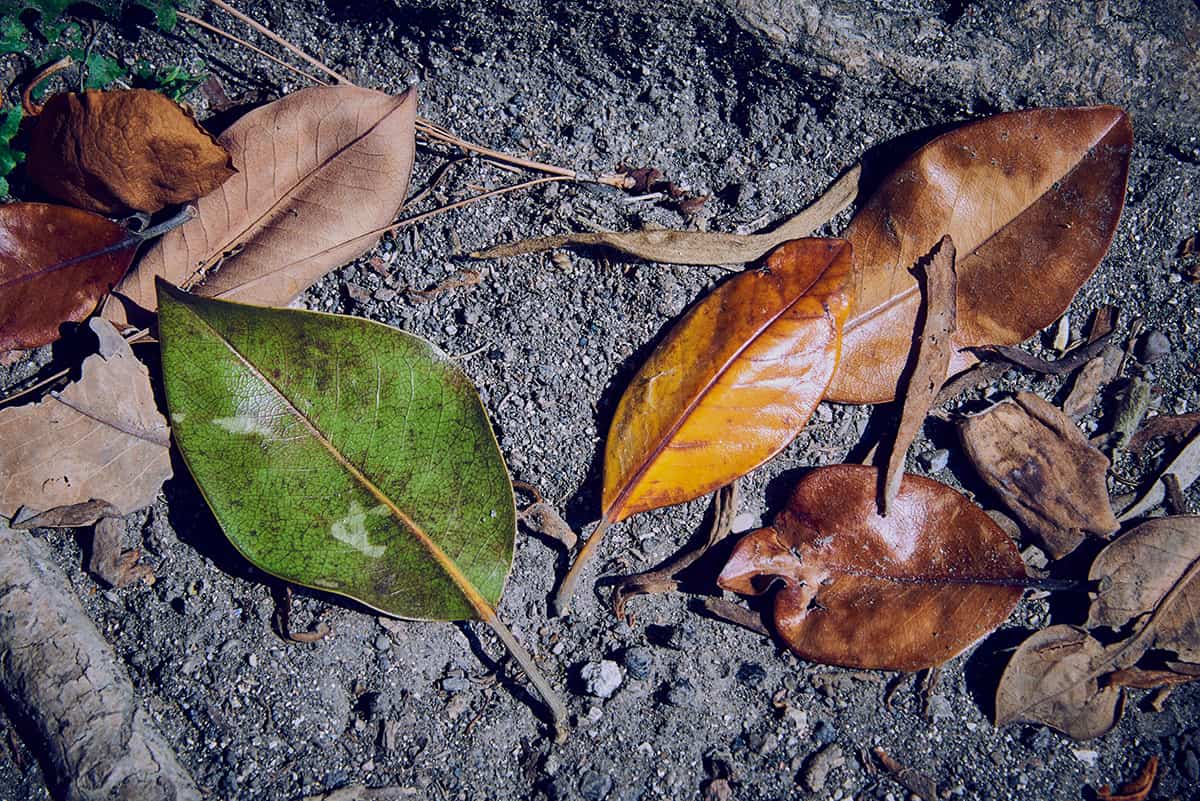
{"points": [[383, 642], [824, 732], [1190, 765], [638, 661], [940, 708], [762, 743], [384, 294], [820, 765], [594, 785], [456, 684], [602, 678], [1086, 756], [1152, 346], [935, 461], [680, 693], [717, 790], [751, 674]]}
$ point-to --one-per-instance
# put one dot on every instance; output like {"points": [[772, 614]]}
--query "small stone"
{"points": [[638, 661], [824, 732], [602, 678], [1190, 765], [820, 765], [357, 293], [1152, 346], [680, 693], [1086, 756], [940, 708], [252, 660], [751, 674], [384, 294], [456, 684], [935, 461], [717, 790], [551, 765], [594, 714], [594, 785], [383, 642], [762, 743]]}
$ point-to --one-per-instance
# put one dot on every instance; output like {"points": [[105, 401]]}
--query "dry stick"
{"points": [[252, 48], [1066, 364], [279, 40], [932, 362]]}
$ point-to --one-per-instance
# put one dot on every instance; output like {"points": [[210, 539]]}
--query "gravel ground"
{"points": [[760, 104]]}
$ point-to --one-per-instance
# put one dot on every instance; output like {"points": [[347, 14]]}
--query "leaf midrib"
{"points": [[470, 593], [685, 414]]}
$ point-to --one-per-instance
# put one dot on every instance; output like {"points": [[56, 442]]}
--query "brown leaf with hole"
{"points": [[902, 592], [1031, 198], [102, 438], [1138, 573], [1053, 679], [318, 171], [933, 354], [1044, 469], [729, 386], [123, 151], [56, 263], [1136, 790]]}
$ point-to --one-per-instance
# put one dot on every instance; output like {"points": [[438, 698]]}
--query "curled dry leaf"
{"points": [[729, 386], [902, 592], [56, 263], [1053, 678], [123, 151], [1136, 790], [932, 363], [698, 247], [101, 439], [1042, 466], [318, 171], [1031, 199]]}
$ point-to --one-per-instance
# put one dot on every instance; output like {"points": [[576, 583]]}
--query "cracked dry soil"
{"points": [[759, 104]]}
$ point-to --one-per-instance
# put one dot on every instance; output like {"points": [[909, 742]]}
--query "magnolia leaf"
{"points": [[1031, 199], [344, 455], [730, 386], [1053, 679], [123, 151], [1042, 466], [902, 592], [56, 263], [318, 171], [101, 438]]}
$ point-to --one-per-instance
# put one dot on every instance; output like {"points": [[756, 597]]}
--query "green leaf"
{"points": [[340, 454], [103, 70], [10, 124], [12, 35]]}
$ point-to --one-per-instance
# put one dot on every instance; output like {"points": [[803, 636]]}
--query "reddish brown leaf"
{"points": [[1031, 199], [56, 263], [902, 592], [1036, 459], [123, 151], [1136, 790]]}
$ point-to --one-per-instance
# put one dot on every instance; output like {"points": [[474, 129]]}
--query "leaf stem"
{"points": [[558, 712], [562, 598], [31, 108]]}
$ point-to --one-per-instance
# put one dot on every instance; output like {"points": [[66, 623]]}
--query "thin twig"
{"points": [[435, 180], [1074, 359], [252, 48], [31, 108], [735, 614], [279, 40]]}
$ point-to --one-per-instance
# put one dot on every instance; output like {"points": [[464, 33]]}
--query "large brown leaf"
{"points": [[317, 171], [1031, 199], [56, 263], [729, 386], [901, 592], [122, 151], [101, 439], [1039, 462]]}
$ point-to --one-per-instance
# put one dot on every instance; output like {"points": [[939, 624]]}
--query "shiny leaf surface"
{"points": [[902, 592], [1031, 199]]}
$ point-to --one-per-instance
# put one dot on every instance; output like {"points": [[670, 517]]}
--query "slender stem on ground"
{"points": [[199, 23], [562, 598], [279, 40], [31, 108], [558, 712]]}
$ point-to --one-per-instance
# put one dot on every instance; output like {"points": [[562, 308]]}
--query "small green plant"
{"points": [[10, 123]]}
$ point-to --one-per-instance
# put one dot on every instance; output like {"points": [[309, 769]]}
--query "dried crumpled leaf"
{"points": [[729, 386], [1186, 469], [318, 171], [902, 592], [122, 151], [100, 438], [698, 247], [1136, 790], [109, 562], [933, 355], [56, 263], [1031, 199], [1044, 469], [1053, 679], [1149, 586], [1084, 389]]}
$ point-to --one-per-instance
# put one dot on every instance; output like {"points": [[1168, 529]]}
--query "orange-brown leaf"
{"points": [[56, 263], [122, 151], [1136, 790], [1031, 199], [318, 171], [901, 592]]}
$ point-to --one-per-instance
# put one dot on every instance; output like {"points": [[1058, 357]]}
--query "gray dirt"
{"points": [[759, 103]]}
